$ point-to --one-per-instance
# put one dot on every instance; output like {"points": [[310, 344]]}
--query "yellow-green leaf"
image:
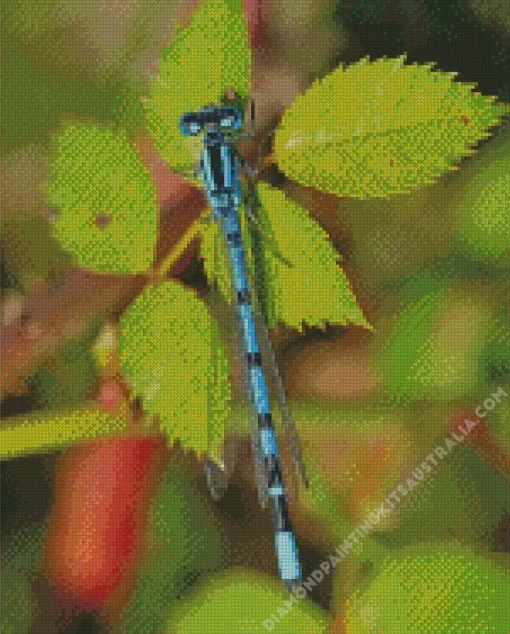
{"points": [[205, 58], [298, 272], [107, 213], [167, 354], [255, 603], [440, 588], [381, 127]]}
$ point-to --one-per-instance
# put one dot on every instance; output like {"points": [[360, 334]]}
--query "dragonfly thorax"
{"points": [[219, 166]]}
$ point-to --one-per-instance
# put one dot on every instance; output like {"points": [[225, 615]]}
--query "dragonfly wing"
{"points": [[253, 214], [255, 225], [218, 473], [220, 467], [221, 448], [256, 450]]}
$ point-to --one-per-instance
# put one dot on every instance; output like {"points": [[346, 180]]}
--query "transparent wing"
{"points": [[258, 242], [219, 469], [220, 461], [257, 455]]}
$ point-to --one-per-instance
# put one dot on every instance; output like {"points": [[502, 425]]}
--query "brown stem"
{"points": [[56, 316]]}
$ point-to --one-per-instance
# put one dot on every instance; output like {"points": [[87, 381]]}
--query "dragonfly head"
{"points": [[225, 118]]}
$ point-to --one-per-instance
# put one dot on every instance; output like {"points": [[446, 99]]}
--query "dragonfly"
{"points": [[221, 167]]}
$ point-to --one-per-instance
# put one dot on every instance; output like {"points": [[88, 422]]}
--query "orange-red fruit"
{"points": [[102, 489]]}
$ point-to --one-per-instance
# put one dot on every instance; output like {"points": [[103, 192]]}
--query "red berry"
{"points": [[101, 492]]}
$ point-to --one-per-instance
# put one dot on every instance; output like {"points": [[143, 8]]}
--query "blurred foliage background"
{"points": [[145, 550]]}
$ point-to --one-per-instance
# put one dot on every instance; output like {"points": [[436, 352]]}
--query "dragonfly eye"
{"points": [[230, 118], [190, 124]]}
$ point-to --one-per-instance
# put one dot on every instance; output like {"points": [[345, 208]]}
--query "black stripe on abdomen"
{"points": [[253, 359], [243, 298]]}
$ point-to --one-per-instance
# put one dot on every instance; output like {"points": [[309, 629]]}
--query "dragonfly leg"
{"points": [[250, 133]]}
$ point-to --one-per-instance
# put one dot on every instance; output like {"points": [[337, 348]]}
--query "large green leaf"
{"points": [[483, 206], [440, 587], [107, 213], [205, 58], [381, 127], [297, 271], [166, 352], [253, 600]]}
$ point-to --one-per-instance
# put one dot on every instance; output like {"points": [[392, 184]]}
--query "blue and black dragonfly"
{"points": [[221, 168]]}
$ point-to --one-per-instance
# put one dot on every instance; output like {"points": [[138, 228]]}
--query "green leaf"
{"points": [[380, 128], [166, 353], [297, 270], [483, 207], [182, 541], [205, 58], [430, 340], [440, 587], [252, 599], [105, 200], [42, 432]]}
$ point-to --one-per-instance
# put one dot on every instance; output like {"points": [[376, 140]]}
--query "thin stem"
{"points": [[174, 254]]}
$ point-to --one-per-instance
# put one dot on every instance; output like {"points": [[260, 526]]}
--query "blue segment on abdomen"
{"points": [[268, 442], [287, 556], [246, 316], [250, 341], [260, 393], [239, 268]]}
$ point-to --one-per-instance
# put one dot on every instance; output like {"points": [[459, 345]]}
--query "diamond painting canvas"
{"points": [[255, 317]]}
